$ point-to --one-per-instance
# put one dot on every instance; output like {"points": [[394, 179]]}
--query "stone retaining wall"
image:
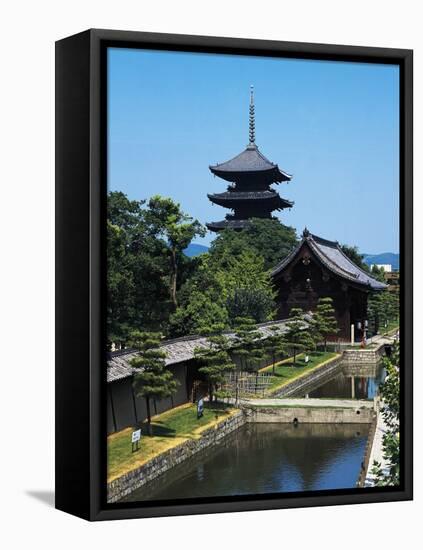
{"points": [[317, 375], [309, 415], [367, 452], [363, 356], [126, 484]]}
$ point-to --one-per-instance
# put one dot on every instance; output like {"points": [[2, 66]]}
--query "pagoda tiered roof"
{"points": [[272, 198], [228, 224], [250, 162], [252, 175]]}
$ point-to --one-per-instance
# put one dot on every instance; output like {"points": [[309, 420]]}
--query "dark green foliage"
{"points": [[215, 358], [123, 212], [269, 238], [324, 322], [145, 263], [275, 345], [382, 307], [246, 302], [120, 286], [177, 228], [248, 344], [378, 273], [199, 313], [298, 337], [225, 288], [152, 380], [390, 395]]}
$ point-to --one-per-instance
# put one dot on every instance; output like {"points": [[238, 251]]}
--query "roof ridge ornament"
{"points": [[252, 124], [306, 233]]}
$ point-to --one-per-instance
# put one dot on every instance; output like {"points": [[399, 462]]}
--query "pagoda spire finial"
{"points": [[252, 124]]}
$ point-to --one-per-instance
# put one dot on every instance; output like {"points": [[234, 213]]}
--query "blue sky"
{"points": [[333, 126]]}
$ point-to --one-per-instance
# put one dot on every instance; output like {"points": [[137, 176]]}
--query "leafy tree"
{"points": [[152, 380], [275, 345], [248, 343], [247, 286], [382, 307], [268, 238], [378, 273], [390, 395], [200, 312], [324, 320], [123, 212], [177, 228], [297, 338], [202, 302], [215, 358], [257, 303], [120, 286]]}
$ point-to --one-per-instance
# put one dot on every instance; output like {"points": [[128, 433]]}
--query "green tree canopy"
{"points": [[177, 228], [275, 345], [390, 396], [152, 380], [215, 359], [268, 238], [324, 321], [248, 345], [298, 338]]}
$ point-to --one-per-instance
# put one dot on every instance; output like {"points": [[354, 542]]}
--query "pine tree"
{"points": [[298, 337], [324, 319], [152, 380], [215, 359], [248, 344], [274, 345], [248, 347]]}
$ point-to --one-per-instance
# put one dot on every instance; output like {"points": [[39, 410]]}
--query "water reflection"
{"points": [[267, 458], [351, 383]]}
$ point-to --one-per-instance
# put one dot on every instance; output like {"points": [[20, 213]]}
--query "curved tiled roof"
{"points": [[177, 351], [227, 224], [333, 258], [251, 160], [238, 196]]}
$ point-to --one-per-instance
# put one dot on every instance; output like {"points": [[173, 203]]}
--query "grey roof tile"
{"points": [[332, 256], [250, 160], [177, 350]]}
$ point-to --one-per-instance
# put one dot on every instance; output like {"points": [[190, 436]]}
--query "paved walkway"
{"points": [[381, 339], [304, 402], [377, 451]]}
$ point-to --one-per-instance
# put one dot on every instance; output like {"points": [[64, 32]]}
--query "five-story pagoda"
{"points": [[249, 194]]}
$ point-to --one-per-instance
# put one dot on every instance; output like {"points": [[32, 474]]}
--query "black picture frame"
{"points": [[80, 270]]}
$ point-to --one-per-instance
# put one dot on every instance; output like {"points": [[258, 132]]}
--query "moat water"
{"points": [[267, 458], [357, 383]]}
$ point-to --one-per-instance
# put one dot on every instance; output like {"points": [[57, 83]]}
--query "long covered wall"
{"points": [[125, 409]]}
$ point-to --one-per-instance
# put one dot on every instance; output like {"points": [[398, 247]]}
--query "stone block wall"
{"points": [[310, 415], [319, 374], [126, 484], [363, 356]]}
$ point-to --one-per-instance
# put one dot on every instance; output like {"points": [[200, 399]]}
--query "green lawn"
{"points": [[286, 371], [169, 429]]}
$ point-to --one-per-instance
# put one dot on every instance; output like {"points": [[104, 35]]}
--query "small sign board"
{"points": [[200, 408], [136, 436]]}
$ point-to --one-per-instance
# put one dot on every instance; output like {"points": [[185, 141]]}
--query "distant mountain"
{"points": [[195, 250], [384, 258]]}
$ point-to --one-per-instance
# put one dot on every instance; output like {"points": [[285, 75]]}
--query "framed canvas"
{"points": [[234, 274]]}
